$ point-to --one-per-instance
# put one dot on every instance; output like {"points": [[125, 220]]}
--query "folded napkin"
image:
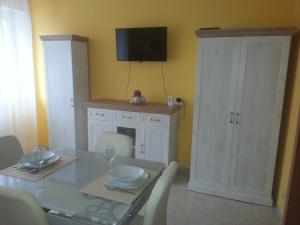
{"points": [[15, 171], [98, 188]]}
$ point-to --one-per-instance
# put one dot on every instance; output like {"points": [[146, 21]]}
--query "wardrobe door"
{"points": [[218, 63], [258, 113], [81, 92], [59, 84]]}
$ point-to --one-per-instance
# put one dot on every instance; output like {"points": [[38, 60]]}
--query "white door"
{"points": [[218, 65], [59, 85], [81, 92], [259, 110], [95, 128], [154, 143]]}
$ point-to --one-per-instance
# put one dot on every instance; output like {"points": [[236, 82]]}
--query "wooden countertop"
{"points": [[269, 31], [126, 106], [69, 37]]}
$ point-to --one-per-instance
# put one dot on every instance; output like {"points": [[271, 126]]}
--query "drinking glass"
{"points": [[39, 193], [37, 151]]}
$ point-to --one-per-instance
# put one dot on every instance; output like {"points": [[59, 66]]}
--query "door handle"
{"points": [[126, 117], [237, 120], [142, 148], [231, 117]]}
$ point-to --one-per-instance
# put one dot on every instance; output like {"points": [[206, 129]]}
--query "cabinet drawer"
{"points": [[123, 116], [156, 119], [101, 114]]}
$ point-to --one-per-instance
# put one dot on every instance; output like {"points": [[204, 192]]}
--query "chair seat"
{"points": [[123, 144], [156, 207], [10, 151], [138, 220], [20, 208]]}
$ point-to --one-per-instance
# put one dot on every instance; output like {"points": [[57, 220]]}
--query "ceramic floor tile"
{"points": [[192, 208]]}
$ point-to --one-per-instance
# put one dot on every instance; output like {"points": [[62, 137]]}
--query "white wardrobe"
{"points": [[239, 94], [66, 70]]}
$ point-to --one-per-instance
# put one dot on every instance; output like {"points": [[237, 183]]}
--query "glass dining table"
{"points": [[58, 193]]}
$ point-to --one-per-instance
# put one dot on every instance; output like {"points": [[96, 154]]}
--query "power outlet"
{"points": [[178, 102]]}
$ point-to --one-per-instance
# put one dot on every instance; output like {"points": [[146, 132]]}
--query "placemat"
{"points": [[15, 171], [97, 188]]}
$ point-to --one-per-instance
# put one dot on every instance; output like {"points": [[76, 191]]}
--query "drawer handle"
{"points": [[126, 117], [142, 149], [99, 114], [154, 120]]}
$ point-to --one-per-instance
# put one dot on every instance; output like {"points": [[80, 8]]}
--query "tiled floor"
{"points": [[191, 208]]}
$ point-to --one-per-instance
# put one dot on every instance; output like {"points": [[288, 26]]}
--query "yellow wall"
{"points": [[290, 117], [97, 20]]}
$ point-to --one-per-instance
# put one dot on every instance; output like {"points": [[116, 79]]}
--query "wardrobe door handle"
{"points": [[237, 121], [231, 117], [142, 148]]}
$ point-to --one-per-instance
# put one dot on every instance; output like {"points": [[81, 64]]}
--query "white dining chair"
{"points": [[20, 208], [156, 208], [10, 151], [122, 144]]}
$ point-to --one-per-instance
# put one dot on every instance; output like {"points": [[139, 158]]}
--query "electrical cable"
{"points": [[128, 80], [163, 80]]}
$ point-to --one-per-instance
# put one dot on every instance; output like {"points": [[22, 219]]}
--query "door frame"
{"points": [[291, 210]]}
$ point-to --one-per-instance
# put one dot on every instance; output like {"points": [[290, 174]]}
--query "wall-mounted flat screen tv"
{"points": [[141, 44]]}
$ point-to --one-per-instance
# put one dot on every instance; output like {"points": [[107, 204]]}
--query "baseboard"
{"points": [[231, 195]]}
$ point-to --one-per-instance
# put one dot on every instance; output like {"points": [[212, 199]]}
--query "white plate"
{"points": [[38, 156], [126, 173], [36, 165], [131, 185]]}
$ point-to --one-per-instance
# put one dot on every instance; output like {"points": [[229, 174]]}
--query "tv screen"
{"points": [[141, 44]]}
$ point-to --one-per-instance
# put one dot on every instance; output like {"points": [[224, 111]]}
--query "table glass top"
{"points": [[59, 191]]}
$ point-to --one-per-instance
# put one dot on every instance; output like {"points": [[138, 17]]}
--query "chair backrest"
{"points": [[122, 144], [20, 208], [10, 151], [156, 208]]}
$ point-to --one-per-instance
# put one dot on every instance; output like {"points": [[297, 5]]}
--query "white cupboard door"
{"points": [[81, 91], [259, 106], [154, 143], [59, 84], [95, 128], [218, 65]]}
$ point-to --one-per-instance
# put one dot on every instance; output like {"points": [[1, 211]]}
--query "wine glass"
{"points": [[37, 151], [109, 155]]}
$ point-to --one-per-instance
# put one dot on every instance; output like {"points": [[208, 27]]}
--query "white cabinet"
{"points": [[154, 142], [66, 70], [96, 127], [238, 104], [154, 134]]}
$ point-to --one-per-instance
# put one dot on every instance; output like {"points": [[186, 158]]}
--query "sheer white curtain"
{"points": [[17, 90]]}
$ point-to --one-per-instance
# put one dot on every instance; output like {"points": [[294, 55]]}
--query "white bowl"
{"points": [[38, 159], [126, 173], [128, 185]]}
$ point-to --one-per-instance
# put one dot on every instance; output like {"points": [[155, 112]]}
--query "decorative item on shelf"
{"points": [[137, 98]]}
